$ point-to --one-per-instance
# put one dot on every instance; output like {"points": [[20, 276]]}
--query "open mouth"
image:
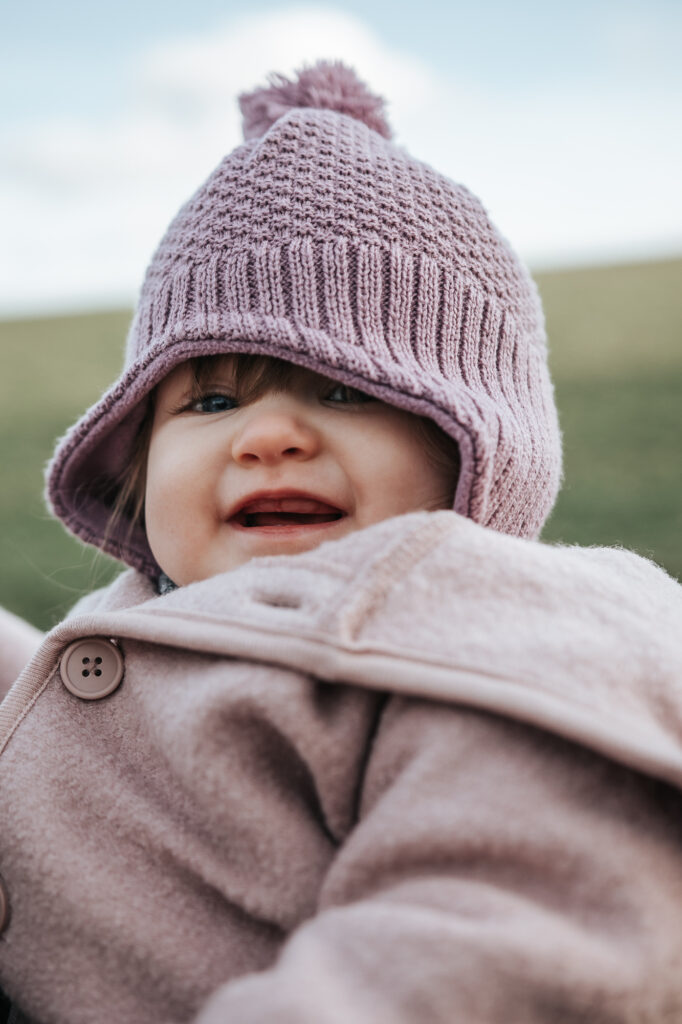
{"points": [[285, 513]]}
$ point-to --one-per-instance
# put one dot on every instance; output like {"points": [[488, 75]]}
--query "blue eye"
{"points": [[347, 395], [213, 403]]}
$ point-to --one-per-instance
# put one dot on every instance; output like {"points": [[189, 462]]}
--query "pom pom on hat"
{"points": [[328, 85]]}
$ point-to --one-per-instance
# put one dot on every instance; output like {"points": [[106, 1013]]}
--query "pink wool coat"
{"points": [[426, 773]]}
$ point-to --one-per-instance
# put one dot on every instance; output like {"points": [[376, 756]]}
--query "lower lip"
{"points": [[288, 529]]}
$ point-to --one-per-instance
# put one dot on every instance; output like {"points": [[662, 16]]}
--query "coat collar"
{"points": [[583, 642]]}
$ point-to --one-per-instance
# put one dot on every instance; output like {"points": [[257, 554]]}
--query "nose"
{"points": [[274, 433]]}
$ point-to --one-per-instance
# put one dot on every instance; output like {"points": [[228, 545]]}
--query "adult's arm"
{"points": [[18, 642], [497, 875]]}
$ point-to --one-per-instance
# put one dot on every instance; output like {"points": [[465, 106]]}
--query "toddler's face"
{"points": [[229, 479]]}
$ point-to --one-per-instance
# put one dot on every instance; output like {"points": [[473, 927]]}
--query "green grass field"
{"points": [[616, 356]]}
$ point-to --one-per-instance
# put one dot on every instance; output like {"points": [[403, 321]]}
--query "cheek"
{"points": [[180, 507], [175, 478], [162, 476], [161, 503], [398, 474]]}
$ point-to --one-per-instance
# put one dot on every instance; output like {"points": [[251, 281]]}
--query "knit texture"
{"points": [[323, 243]]}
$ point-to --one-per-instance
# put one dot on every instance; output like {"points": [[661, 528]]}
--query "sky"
{"points": [[564, 120]]}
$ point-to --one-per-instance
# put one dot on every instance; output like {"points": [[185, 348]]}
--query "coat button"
{"points": [[91, 669], [4, 907]]}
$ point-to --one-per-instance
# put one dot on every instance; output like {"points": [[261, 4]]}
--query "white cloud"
{"points": [[566, 176], [84, 203]]}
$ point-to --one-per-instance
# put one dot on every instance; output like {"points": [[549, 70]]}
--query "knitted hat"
{"points": [[321, 242]]}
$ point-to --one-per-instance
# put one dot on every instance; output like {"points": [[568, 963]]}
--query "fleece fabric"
{"points": [[425, 773]]}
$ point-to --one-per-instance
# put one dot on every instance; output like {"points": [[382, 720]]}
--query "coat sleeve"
{"points": [[496, 873], [18, 642]]}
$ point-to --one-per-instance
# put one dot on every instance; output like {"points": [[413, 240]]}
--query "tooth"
{"points": [[301, 505]]}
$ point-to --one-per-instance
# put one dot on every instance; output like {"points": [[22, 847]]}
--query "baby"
{"points": [[345, 743]]}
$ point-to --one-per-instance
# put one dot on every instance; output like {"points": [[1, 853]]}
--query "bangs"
{"points": [[249, 373]]}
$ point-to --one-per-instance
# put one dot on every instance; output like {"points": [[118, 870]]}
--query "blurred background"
{"points": [[565, 120]]}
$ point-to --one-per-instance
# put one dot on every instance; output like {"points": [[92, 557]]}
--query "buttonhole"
{"points": [[278, 600]]}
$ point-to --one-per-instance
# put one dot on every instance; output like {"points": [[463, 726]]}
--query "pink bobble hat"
{"points": [[321, 242]]}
